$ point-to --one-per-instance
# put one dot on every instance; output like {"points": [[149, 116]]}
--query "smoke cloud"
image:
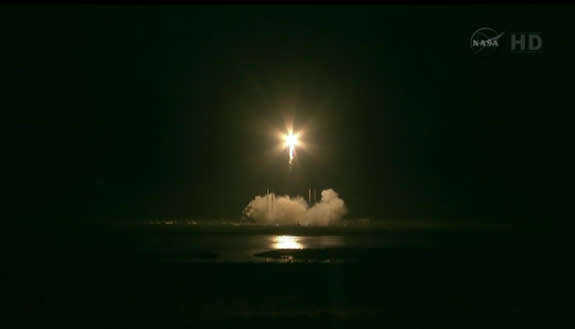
{"points": [[285, 210]]}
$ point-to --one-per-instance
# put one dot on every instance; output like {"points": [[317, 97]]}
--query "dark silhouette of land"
{"points": [[141, 281]]}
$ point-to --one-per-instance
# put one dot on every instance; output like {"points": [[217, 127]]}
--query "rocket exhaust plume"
{"points": [[291, 140], [295, 210]]}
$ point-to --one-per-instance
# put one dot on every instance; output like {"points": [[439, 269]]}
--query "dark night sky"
{"points": [[135, 111]]}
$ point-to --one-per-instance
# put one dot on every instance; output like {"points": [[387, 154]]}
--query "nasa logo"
{"points": [[485, 41]]}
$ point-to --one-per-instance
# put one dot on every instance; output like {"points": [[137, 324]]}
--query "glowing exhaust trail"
{"points": [[291, 142]]}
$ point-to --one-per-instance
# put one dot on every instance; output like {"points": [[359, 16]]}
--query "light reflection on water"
{"points": [[298, 242], [286, 242], [241, 248], [302, 242]]}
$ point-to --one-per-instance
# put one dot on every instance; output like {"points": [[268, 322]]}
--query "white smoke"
{"points": [[272, 209]]}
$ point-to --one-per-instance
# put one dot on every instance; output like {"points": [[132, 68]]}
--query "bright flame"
{"points": [[286, 242], [291, 142]]}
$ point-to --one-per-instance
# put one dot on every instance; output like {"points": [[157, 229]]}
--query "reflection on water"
{"points": [[302, 242], [242, 248], [291, 242], [179, 245], [286, 242]]}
